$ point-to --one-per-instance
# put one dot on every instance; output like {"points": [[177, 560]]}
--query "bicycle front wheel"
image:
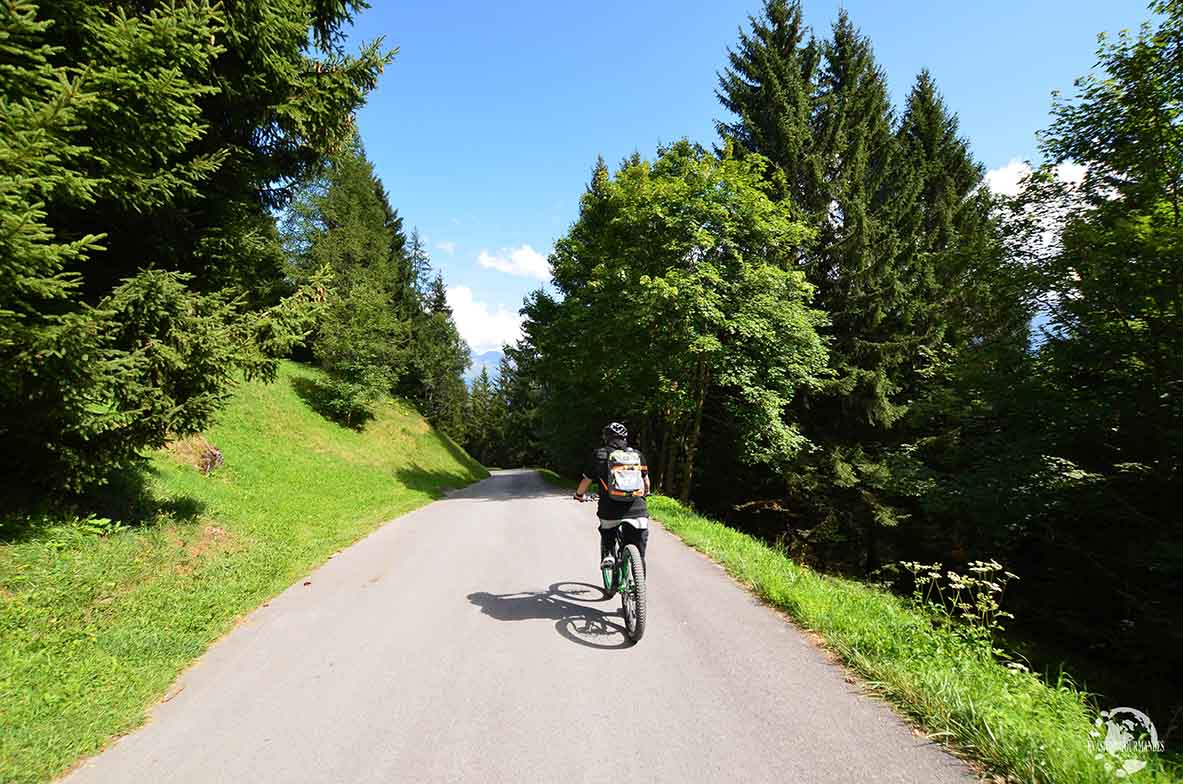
{"points": [[609, 575], [632, 594]]}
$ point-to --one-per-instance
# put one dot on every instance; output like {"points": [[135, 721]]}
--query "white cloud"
{"points": [[1006, 180], [524, 261], [482, 329], [447, 246]]}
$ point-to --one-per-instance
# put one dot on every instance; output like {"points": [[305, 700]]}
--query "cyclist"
{"points": [[624, 483]]}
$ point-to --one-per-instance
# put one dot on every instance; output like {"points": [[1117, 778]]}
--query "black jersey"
{"points": [[611, 508]]}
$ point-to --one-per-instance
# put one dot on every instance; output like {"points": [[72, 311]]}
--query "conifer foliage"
{"points": [[341, 224], [901, 224], [140, 147], [435, 377], [385, 328]]}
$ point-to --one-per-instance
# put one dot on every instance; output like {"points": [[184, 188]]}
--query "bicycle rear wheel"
{"points": [[632, 594]]}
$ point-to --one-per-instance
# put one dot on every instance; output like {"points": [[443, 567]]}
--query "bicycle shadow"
{"points": [[587, 626]]}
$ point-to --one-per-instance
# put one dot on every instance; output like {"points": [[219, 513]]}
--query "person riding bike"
{"points": [[624, 482]]}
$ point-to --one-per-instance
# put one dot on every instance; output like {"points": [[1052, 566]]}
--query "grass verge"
{"points": [[558, 481], [97, 619], [1010, 722]]}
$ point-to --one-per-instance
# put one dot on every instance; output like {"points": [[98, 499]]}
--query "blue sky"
{"points": [[486, 126]]}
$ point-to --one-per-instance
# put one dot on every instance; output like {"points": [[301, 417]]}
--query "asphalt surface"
{"points": [[467, 641]]}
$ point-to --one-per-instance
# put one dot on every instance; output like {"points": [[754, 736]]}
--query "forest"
{"points": [[826, 330], [185, 200], [821, 327]]}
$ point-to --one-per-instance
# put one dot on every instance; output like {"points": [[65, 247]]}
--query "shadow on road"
{"points": [[587, 626], [510, 486]]}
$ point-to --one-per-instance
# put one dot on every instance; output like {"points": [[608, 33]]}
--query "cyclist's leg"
{"points": [[608, 538], [637, 536], [607, 535]]}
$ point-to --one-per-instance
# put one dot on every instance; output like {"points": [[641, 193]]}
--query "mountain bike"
{"points": [[627, 577]]}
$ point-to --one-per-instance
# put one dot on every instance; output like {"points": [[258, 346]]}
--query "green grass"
{"points": [[558, 481], [96, 627], [1011, 723]]}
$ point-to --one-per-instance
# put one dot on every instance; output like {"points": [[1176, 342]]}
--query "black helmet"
{"points": [[615, 430]]}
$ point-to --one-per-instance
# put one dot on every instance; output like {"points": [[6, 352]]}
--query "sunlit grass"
{"points": [[558, 481], [1010, 722], [95, 628]]}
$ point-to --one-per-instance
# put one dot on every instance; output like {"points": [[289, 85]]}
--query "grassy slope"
{"points": [[96, 628], [558, 481], [1010, 722]]}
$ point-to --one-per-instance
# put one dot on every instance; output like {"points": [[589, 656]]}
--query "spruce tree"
{"points": [[482, 420], [168, 131], [822, 113], [438, 356], [855, 263], [769, 86], [519, 397], [418, 264], [209, 117], [952, 256], [342, 223]]}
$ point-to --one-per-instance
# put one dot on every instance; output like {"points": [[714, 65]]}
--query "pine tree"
{"points": [[951, 252], [418, 264], [438, 355], [518, 400], [821, 112], [437, 297], [222, 111], [855, 260], [342, 223], [855, 264], [769, 86], [482, 420], [140, 126]]}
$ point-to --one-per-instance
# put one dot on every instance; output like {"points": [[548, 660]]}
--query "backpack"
{"points": [[625, 477]]}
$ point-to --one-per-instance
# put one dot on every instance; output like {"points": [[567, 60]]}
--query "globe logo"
{"points": [[1122, 738]]}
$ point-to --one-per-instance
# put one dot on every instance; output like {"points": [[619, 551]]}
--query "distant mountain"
{"points": [[488, 359]]}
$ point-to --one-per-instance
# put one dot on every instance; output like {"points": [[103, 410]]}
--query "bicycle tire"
{"points": [[636, 574]]}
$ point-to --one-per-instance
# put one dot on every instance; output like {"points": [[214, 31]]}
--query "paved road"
{"points": [[463, 642]]}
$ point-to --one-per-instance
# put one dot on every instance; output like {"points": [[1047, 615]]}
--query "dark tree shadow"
{"points": [[126, 498], [458, 454], [587, 626], [320, 399], [510, 486], [435, 483]]}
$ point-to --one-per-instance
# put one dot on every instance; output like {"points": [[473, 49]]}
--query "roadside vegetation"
{"points": [[946, 678], [155, 487], [99, 614]]}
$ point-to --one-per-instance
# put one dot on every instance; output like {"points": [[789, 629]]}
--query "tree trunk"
{"points": [[667, 468], [871, 528], [692, 445]]}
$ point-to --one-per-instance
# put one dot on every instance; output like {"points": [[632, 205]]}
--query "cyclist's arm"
{"points": [[584, 483]]}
